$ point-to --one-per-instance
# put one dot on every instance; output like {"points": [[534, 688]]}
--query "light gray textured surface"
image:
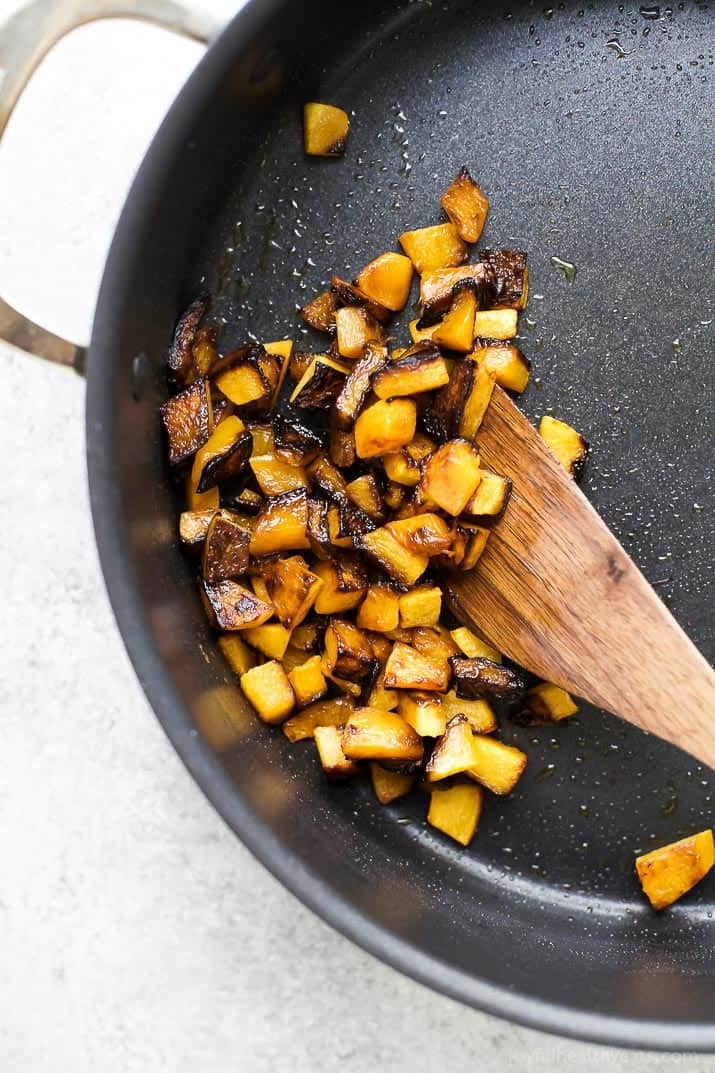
{"points": [[136, 934]]}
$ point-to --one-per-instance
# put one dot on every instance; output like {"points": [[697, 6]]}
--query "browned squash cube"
{"points": [[239, 377], [380, 610], [389, 785], [497, 766], [565, 442], [282, 349], [456, 330], [669, 872], [334, 711], [344, 586], [479, 677], [225, 554], [451, 476], [409, 669], [248, 501], [320, 384], [510, 288], [401, 564], [339, 537], [438, 288], [550, 702], [374, 734], [187, 420], [424, 534], [394, 495], [332, 758], [319, 313], [348, 658], [471, 645], [267, 688], [458, 408], [365, 493], [420, 336], [479, 713], [237, 653], [506, 364], [180, 357], [325, 129], [381, 648], [224, 454], [491, 496], [433, 641], [387, 280], [328, 478], [476, 539], [230, 606], [424, 712], [420, 607], [495, 324], [382, 697], [454, 752], [466, 206], [357, 386], [385, 426], [281, 525], [308, 682], [307, 636], [341, 444], [455, 811], [292, 588], [274, 476], [272, 639], [293, 443], [424, 370], [193, 527], [355, 329], [434, 247]]}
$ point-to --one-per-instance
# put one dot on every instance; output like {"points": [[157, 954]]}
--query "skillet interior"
{"points": [[598, 159]]}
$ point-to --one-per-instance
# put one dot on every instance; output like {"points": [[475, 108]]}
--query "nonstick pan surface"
{"points": [[590, 127]]}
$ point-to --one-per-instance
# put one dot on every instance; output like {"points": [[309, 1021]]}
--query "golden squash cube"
{"points": [[333, 760], [451, 476], [434, 247], [267, 688], [497, 766], [495, 324], [456, 811], [466, 205], [506, 364], [385, 426], [424, 712], [669, 872], [420, 607], [472, 646], [456, 330], [335, 711], [380, 610], [271, 639], [389, 785], [407, 668], [374, 734], [550, 702], [355, 329], [325, 129], [565, 442], [387, 280]]}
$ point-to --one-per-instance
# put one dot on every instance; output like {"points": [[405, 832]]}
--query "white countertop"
{"points": [[136, 934]]}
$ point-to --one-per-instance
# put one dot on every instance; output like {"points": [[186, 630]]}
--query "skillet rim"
{"points": [[196, 755]]}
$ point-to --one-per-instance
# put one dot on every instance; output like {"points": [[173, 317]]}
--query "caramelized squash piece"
{"points": [[420, 336], [479, 713], [424, 712], [332, 758], [267, 688], [292, 588], [293, 442], [433, 641], [365, 493], [422, 371], [458, 408], [237, 653], [193, 527], [325, 476], [282, 349], [344, 586], [497, 766], [347, 294], [348, 658], [281, 525], [466, 206], [456, 811], [225, 553], [385, 426], [389, 785], [325, 129], [387, 280], [409, 669], [456, 330], [271, 639], [356, 388], [374, 734], [491, 496], [180, 357], [240, 376], [275, 477], [669, 872], [495, 324], [506, 364], [355, 329], [341, 445], [259, 587], [248, 501], [434, 247], [565, 442], [451, 475], [473, 646], [230, 606], [475, 541], [404, 467], [224, 454], [511, 277], [425, 534], [420, 607], [334, 711], [550, 702], [308, 682], [385, 549], [320, 384], [480, 677], [187, 420], [380, 610], [380, 696], [307, 636], [319, 313], [438, 289], [454, 752]]}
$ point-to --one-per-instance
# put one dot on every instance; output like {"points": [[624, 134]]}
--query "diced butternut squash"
{"points": [[466, 206], [565, 442], [387, 280], [267, 688], [325, 129], [320, 384], [292, 588], [479, 677], [389, 785], [348, 657], [421, 606], [385, 426], [355, 329], [200, 501], [344, 586], [475, 541], [476, 401], [374, 734], [471, 645], [319, 313], [456, 330], [274, 476], [283, 349], [454, 752], [245, 385], [421, 335], [491, 496], [188, 421], [424, 534], [307, 637], [308, 682], [225, 553], [479, 713], [402, 565], [422, 371], [281, 525], [497, 766], [451, 475], [495, 324], [224, 454], [271, 639], [506, 364], [332, 758], [669, 872], [365, 493], [334, 711], [456, 811], [438, 289], [237, 653], [510, 286], [409, 669], [424, 712], [550, 702], [193, 527], [382, 697], [434, 247], [380, 610], [230, 606]]}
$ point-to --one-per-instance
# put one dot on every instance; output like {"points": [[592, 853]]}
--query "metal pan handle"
{"points": [[25, 39]]}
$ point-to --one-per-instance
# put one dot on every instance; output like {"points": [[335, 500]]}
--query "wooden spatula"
{"points": [[556, 592]]}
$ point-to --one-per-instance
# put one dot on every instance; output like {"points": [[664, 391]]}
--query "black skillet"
{"points": [[590, 126]]}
